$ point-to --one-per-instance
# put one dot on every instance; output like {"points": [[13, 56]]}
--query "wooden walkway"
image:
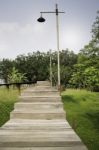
{"points": [[38, 123]]}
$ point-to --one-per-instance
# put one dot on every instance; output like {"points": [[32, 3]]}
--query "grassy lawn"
{"points": [[7, 100], [82, 112]]}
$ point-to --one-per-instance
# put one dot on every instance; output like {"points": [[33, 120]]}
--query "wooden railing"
{"points": [[17, 85]]}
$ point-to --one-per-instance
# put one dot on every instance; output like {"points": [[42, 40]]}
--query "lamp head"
{"points": [[41, 19]]}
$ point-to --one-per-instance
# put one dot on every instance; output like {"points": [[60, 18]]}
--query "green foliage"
{"points": [[77, 79], [15, 76], [95, 29], [34, 65], [7, 100], [92, 78], [85, 77], [5, 67], [67, 61], [82, 112], [89, 55], [86, 74]]}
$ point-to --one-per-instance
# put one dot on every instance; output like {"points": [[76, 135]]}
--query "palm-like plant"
{"points": [[16, 77]]}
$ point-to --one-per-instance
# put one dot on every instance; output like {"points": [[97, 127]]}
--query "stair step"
{"points": [[44, 93], [36, 139], [40, 121], [44, 83], [36, 125], [38, 134], [40, 98], [37, 114], [41, 90], [40, 105], [74, 147], [36, 128]]}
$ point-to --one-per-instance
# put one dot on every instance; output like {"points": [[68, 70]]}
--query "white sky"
{"points": [[20, 33]]}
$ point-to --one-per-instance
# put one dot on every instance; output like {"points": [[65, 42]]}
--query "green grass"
{"points": [[82, 112], [7, 100]]}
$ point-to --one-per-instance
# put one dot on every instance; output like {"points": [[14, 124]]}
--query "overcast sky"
{"points": [[20, 33]]}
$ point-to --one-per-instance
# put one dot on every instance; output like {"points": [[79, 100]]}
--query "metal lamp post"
{"points": [[41, 19]]}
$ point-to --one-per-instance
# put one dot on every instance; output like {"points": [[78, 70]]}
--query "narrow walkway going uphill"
{"points": [[38, 123]]}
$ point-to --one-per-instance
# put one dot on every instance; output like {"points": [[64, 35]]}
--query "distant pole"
{"points": [[50, 68], [58, 51]]}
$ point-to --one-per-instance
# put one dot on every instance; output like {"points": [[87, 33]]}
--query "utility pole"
{"points": [[50, 68]]}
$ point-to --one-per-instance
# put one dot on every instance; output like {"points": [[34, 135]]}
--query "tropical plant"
{"points": [[16, 77]]}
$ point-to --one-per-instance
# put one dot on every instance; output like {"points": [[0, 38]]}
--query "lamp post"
{"points": [[41, 19]]}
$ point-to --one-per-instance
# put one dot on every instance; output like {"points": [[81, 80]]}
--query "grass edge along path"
{"points": [[7, 100], [82, 112]]}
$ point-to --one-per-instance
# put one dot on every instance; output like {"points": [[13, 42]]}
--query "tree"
{"points": [[95, 29], [92, 78], [77, 79], [89, 55], [67, 61], [5, 67], [35, 65]]}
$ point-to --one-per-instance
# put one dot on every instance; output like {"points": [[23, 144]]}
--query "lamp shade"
{"points": [[41, 19]]}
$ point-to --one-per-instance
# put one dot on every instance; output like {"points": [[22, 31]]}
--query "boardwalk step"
{"points": [[44, 83], [40, 98], [40, 105], [44, 93], [37, 125], [81, 147], [38, 114], [36, 139]]}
